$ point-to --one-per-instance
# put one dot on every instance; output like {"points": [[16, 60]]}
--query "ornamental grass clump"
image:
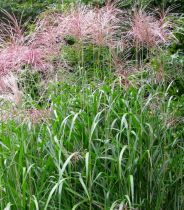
{"points": [[78, 22], [147, 30], [16, 52], [100, 27], [105, 28], [14, 57]]}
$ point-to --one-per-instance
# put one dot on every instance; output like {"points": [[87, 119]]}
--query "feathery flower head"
{"points": [[146, 29]]}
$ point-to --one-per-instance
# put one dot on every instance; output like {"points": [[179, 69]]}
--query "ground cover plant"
{"points": [[91, 108]]}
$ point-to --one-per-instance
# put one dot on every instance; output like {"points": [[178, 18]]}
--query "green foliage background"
{"points": [[31, 8]]}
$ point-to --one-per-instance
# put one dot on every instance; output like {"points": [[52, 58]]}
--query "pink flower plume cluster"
{"points": [[13, 57], [106, 26], [99, 26], [147, 30]]}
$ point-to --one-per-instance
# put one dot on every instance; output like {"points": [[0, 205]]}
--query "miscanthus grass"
{"points": [[107, 137], [104, 148]]}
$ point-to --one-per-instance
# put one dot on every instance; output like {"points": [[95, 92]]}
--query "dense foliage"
{"points": [[91, 106], [31, 8]]}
